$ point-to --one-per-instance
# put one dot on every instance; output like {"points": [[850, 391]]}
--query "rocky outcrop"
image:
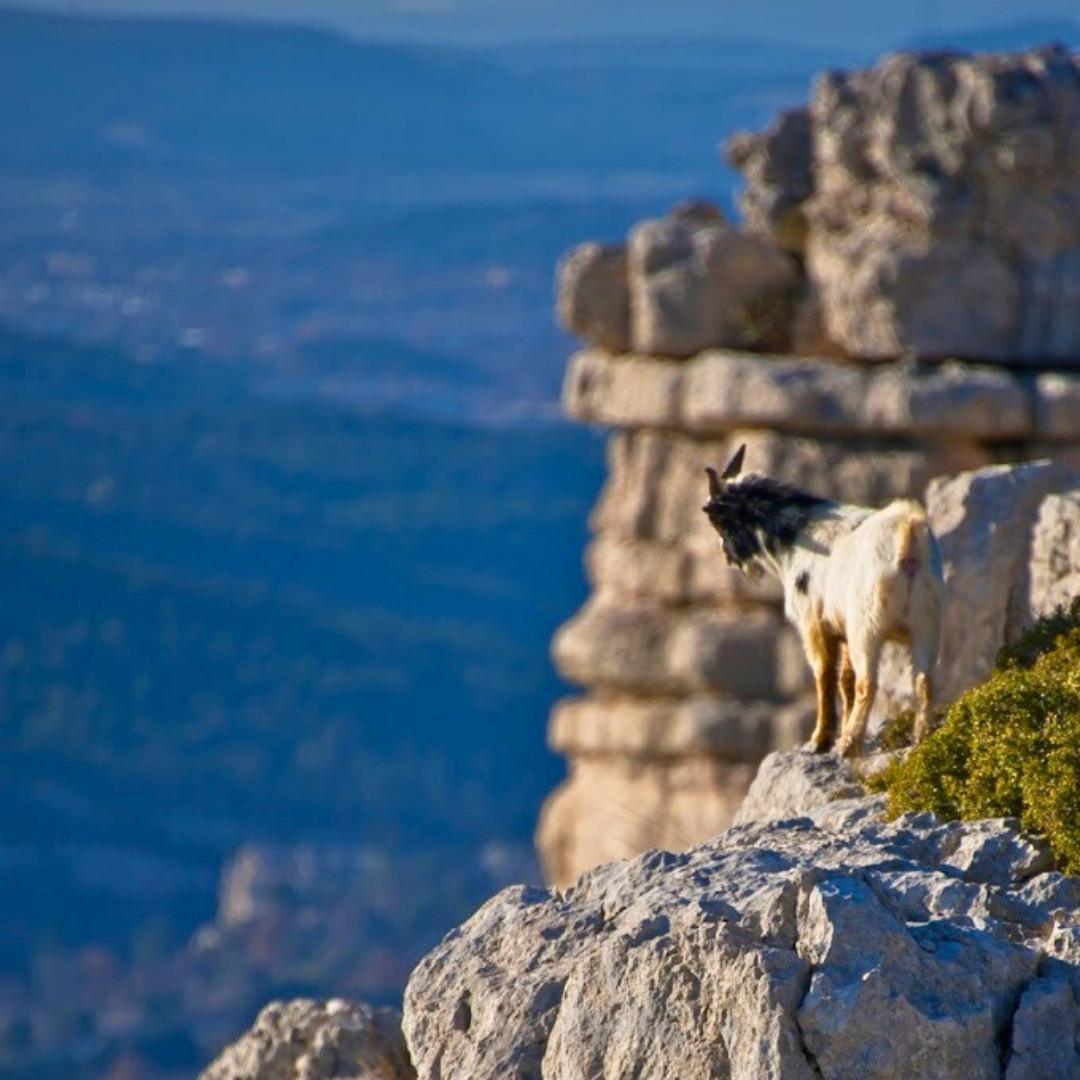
{"points": [[986, 522], [914, 212], [314, 1040], [828, 944], [930, 201], [691, 672], [933, 199]]}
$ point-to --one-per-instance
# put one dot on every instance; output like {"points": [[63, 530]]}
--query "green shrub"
{"points": [[1010, 747]]}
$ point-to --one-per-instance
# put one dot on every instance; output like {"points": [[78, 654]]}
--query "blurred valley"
{"points": [[287, 514]]}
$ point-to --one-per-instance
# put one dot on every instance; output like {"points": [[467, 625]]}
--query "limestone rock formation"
{"points": [[696, 282], [594, 297], [921, 212], [934, 196], [314, 1040], [931, 200], [985, 522], [682, 283], [827, 944], [793, 783], [671, 632]]}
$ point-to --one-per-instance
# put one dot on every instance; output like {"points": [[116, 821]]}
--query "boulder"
{"points": [[594, 295], [828, 944], [792, 783], [934, 198], [777, 165], [317, 1040], [698, 283], [650, 772], [615, 806], [985, 521]]}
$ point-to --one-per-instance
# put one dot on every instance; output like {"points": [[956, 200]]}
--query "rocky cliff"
{"points": [[899, 304], [893, 318], [829, 943]]}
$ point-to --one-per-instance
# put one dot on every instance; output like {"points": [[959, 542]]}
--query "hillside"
{"points": [[230, 618]]}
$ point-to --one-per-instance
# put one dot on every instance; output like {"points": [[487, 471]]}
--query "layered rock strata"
{"points": [[924, 207], [691, 673], [829, 943], [922, 210]]}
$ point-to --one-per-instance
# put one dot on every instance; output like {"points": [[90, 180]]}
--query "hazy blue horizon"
{"points": [[844, 22]]}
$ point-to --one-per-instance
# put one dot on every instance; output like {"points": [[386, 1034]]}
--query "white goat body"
{"points": [[853, 579]]}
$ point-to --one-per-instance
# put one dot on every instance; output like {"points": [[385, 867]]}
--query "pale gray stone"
{"points": [[934, 197], [1046, 1029], [984, 521], [317, 1040], [839, 945], [777, 164], [648, 648], [717, 392], [616, 806], [652, 727], [676, 574], [594, 295], [793, 783], [697, 283], [622, 391]]}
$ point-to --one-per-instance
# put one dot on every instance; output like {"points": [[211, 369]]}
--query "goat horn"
{"points": [[715, 486], [734, 466]]}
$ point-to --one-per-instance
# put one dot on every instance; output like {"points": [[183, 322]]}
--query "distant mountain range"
{"points": [[175, 95], [847, 23]]}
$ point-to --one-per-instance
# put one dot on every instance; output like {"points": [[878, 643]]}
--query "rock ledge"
{"points": [[831, 944]]}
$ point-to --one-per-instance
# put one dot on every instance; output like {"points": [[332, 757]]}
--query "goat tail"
{"points": [[912, 538]]}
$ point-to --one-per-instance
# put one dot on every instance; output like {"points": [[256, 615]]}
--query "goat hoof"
{"points": [[849, 749]]}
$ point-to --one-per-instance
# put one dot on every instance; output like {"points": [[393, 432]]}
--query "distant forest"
{"points": [[227, 617]]}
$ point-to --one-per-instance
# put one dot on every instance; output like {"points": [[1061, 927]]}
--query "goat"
{"points": [[853, 578]]}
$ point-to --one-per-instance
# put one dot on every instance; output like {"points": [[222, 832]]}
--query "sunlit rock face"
{"points": [[690, 671], [828, 943], [934, 198], [899, 304]]}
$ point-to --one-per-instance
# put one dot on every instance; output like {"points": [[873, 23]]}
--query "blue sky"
{"points": [[849, 22]]}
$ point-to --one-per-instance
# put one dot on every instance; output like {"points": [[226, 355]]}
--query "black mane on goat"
{"points": [[760, 511]]}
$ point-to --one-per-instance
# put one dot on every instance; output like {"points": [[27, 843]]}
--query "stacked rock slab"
{"points": [[690, 674]]}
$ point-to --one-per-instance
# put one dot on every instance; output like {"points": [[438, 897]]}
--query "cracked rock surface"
{"points": [[828, 944]]}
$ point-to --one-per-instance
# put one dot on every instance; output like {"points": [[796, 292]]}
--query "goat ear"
{"points": [[734, 466], [715, 486]]}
